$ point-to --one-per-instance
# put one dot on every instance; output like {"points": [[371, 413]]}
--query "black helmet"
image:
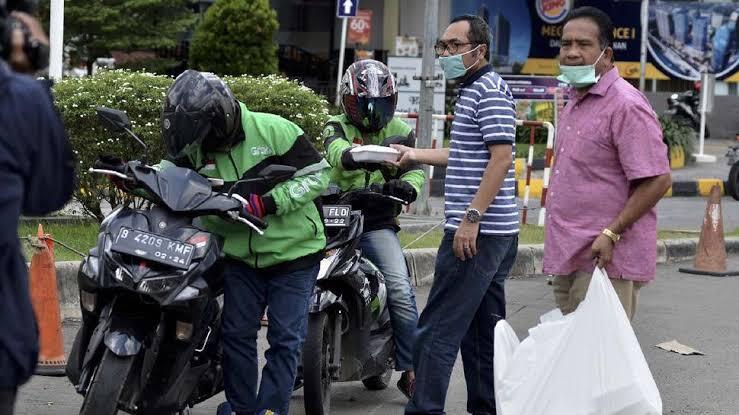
{"points": [[199, 110], [369, 94]]}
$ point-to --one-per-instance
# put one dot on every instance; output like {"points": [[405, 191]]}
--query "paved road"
{"points": [[674, 213], [698, 311]]}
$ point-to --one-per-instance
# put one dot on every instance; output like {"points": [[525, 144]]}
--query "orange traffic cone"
{"points": [[45, 300], [710, 255]]}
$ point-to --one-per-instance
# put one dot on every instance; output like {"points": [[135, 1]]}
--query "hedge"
{"points": [[140, 95]]}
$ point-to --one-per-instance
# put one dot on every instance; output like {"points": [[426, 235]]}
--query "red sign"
{"points": [[360, 28]]}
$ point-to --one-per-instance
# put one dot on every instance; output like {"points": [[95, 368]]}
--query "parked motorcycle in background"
{"points": [[732, 183], [684, 108]]}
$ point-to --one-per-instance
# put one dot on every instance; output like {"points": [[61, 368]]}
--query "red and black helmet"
{"points": [[369, 94]]}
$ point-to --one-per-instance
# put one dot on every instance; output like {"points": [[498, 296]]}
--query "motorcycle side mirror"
{"points": [[117, 121], [113, 120]]}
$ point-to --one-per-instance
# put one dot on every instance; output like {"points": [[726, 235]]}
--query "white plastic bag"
{"points": [[588, 362]]}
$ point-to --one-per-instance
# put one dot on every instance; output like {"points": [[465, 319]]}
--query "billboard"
{"points": [[685, 38]]}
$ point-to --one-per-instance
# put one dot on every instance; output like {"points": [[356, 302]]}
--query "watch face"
{"points": [[473, 216]]}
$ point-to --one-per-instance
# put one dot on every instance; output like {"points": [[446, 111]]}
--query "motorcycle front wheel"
{"points": [[107, 385], [317, 351]]}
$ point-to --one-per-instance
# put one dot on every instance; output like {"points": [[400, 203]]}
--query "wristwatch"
{"points": [[609, 233], [472, 215]]}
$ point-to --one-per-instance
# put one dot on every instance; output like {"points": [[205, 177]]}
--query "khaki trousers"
{"points": [[570, 290]]}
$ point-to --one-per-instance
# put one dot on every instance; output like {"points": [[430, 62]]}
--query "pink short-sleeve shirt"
{"points": [[605, 140]]}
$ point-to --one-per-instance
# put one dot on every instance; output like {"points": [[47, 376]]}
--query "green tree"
{"points": [[236, 38], [94, 28]]}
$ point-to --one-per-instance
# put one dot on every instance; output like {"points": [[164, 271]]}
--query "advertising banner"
{"points": [[689, 38], [360, 28], [685, 38]]}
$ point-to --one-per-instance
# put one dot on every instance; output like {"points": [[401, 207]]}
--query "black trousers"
{"points": [[7, 401]]}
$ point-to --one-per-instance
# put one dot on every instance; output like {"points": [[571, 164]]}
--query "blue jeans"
{"points": [[246, 294], [466, 300], [382, 247]]}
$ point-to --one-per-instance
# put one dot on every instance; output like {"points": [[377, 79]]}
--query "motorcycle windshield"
{"points": [[183, 190]]}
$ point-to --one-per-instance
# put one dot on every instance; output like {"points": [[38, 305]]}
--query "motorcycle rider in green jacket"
{"points": [[205, 128], [369, 96]]}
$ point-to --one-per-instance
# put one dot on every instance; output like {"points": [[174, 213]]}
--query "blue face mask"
{"points": [[453, 66], [580, 76]]}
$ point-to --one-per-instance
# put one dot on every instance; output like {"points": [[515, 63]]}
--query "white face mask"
{"points": [[580, 76], [453, 66]]}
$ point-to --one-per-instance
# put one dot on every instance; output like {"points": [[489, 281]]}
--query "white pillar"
{"points": [[56, 40]]}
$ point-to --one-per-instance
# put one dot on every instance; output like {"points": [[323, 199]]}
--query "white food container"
{"points": [[374, 154]]}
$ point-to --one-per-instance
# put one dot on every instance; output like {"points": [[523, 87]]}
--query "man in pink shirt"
{"points": [[610, 170]]}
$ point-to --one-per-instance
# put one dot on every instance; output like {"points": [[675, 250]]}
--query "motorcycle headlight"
{"points": [[673, 97], [159, 285]]}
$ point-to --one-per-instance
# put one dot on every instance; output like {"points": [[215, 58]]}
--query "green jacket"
{"points": [[339, 134], [295, 236]]}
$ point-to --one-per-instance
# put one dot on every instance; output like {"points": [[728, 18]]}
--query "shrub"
{"points": [[281, 96], [675, 134], [235, 38], [140, 95], [160, 66]]}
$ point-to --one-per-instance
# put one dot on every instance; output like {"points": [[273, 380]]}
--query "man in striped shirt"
{"points": [[481, 232]]}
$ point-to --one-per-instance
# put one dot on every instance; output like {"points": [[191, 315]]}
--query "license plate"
{"points": [[336, 215], [153, 247]]}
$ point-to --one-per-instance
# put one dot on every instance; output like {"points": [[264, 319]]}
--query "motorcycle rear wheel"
{"points": [[732, 184], [107, 385]]}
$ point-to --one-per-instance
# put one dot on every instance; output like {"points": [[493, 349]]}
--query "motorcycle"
{"points": [[151, 290], [684, 108], [732, 183], [349, 335]]}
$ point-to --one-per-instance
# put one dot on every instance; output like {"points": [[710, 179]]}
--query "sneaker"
{"points": [[406, 385]]}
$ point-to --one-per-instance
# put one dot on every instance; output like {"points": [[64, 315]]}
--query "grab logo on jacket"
{"points": [[261, 151]]}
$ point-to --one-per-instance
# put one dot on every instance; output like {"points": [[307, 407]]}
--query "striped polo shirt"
{"points": [[484, 115]]}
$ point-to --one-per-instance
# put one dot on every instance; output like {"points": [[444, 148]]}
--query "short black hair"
{"points": [[479, 32], [600, 18]]}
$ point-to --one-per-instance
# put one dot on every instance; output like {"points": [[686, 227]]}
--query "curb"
{"points": [[421, 263], [697, 187], [683, 188]]}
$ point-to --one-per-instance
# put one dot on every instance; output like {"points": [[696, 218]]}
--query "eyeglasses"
{"points": [[452, 47]]}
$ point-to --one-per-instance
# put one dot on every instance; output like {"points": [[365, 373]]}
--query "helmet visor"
{"points": [[377, 111], [183, 132]]}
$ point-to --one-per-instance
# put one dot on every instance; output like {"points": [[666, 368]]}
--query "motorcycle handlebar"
{"points": [[371, 193], [252, 221]]}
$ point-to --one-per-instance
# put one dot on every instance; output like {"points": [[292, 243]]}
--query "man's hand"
{"points": [[400, 189], [465, 240], [255, 206], [407, 156], [602, 251]]}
